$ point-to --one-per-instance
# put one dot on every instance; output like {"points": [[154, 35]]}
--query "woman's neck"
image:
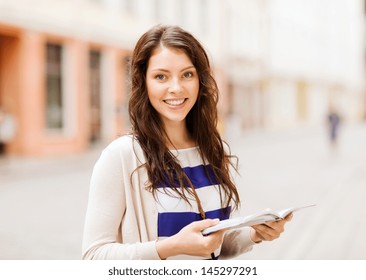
{"points": [[178, 137]]}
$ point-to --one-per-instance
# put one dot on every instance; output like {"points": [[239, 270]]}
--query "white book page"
{"points": [[264, 216]]}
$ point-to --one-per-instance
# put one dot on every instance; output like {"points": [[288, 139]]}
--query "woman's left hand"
{"points": [[269, 231]]}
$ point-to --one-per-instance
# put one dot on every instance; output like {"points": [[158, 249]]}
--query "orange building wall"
{"points": [[30, 97], [23, 92]]}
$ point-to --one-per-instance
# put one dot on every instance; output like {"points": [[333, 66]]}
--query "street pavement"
{"points": [[43, 201], [298, 167]]}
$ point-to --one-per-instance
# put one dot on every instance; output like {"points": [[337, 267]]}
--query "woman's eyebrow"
{"points": [[159, 70], [165, 70], [189, 67]]}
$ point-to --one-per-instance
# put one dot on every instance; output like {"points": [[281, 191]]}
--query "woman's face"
{"points": [[172, 84]]}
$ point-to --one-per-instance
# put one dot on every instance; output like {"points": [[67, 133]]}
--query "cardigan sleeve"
{"points": [[105, 211], [236, 242]]}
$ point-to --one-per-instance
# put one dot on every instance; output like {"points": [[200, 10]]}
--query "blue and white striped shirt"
{"points": [[174, 213]]}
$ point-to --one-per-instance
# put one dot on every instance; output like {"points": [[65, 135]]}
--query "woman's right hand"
{"points": [[190, 241]]}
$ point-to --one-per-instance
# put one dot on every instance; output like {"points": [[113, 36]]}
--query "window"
{"points": [[54, 87], [95, 95]]}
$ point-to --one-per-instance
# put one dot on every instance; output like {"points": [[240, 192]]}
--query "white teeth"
{"points": [[175, 102]]}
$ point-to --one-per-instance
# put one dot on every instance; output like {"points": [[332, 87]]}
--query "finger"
{"points": [[289, 217], [267, 227], [275, 229], [219, 233], [263, 235], [278, 227], [280, 224], [201, 225], [268, 234]]}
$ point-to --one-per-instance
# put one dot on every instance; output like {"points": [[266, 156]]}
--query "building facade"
{"points": [[63, 74], [291, 60], [63, 64]]}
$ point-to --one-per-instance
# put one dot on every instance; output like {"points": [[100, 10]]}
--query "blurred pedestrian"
{"points": [[153, 191], [334, 121]]}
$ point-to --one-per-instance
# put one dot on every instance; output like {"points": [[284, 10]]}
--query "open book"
{"points": [[266, 215]]}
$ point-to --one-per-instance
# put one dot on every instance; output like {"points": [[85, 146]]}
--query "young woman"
{"points": [[152, 192]]}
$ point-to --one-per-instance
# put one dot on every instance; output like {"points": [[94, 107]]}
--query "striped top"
{"points": [[174, 213]]}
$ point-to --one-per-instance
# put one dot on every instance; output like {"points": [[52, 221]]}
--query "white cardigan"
{"points": [[121, 219]]}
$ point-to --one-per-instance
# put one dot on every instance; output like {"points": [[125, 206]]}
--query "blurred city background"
{"points": [[292, 106]]}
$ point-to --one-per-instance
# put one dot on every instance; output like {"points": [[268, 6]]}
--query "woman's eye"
{"points": [[188, 75], [160, 77]]}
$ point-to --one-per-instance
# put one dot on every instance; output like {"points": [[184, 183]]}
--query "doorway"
{"points": [[9, 53], [95, 95]]}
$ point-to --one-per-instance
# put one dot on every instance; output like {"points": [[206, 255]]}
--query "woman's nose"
{"points": [[175, 86]]}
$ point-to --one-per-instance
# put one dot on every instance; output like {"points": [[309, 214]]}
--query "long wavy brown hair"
{"points": [[161, 164]]}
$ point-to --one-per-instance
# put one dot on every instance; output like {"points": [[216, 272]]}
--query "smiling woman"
{"points": [[172, 86], [153, 191]]}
